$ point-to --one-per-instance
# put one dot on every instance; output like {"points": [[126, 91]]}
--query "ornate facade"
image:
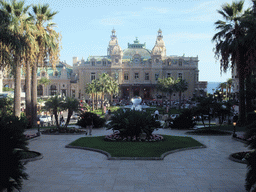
{"points": [[136, 69]]}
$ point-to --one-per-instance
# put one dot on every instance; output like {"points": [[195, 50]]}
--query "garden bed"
{"points": [[136, 150], [56, 131], [28, 156], [240, 157]]}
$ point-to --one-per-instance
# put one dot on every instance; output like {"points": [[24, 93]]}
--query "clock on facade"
{"points": [[136, 60]]}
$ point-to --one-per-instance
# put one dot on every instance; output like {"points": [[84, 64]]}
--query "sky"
{"points": [[187, 27]]}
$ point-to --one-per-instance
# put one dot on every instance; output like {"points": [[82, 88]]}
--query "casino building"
{"points": [[137, 69]]}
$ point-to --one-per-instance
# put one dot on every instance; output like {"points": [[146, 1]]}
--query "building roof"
{"points": [[136, 48]]}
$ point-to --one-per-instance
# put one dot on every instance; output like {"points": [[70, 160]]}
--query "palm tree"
{"points": [[161, 86], [230, 47], [18, 21], [181, 85], [71, 104], [103, 81], [113, 88], [91, 90], [44, 81], [222, 86], [55, 105], [229, 85], [47, 42]]}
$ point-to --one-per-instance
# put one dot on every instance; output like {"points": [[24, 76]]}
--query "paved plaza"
{"points": [[65, 169]]}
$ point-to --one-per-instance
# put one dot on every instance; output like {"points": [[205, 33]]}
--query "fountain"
{"points": [[136, 104]]}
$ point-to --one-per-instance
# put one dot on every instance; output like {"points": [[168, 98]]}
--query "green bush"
{"points": [[97, 121], [12, 139], [250, 136], [184, 121], [251, 117], [132, 123]]}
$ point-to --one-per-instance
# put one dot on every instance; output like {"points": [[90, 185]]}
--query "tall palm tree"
{"points": [[230, 47], [72, 105], [104, 81], [229, 85], [161, 86], [47, 42], [17, 23], [181, 85], [113, 88], [223, 86], [91, 90]]}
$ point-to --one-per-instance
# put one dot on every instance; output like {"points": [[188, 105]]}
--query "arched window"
{"points": [[53, 90], [40, 90]]}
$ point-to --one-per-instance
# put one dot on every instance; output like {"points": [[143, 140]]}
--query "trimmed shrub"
{"points": [[132, 123], [251, 117], [97, 121], [184, 121]]}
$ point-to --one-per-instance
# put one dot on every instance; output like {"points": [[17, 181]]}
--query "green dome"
{"points": [[136, 48], [130, 52]]}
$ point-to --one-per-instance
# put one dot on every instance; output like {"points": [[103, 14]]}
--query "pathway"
{"points": [[64, 169]]}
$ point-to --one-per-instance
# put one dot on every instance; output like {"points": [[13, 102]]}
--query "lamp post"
{"points": [[235, 118], [38, 127]]}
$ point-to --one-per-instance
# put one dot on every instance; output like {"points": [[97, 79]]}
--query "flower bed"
{"points": [[31, 136], [117, 137], [240, 157], [63, 130]]}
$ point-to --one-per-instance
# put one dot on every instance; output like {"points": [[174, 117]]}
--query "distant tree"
{"points": [[180, 86], [72, 105], [55, 105]]}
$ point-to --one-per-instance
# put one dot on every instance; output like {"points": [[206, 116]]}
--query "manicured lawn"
{"points": [[207, 131], [226, 127], [137, 149]]}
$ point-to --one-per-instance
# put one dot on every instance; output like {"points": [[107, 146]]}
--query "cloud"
{"points": [[111, 21], [203, 7], [157, 9]]}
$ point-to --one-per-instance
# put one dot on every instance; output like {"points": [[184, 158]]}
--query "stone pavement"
{"points": [[65, 169]]}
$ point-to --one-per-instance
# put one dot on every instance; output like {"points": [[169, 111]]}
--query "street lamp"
{"points": [[38, 127], [235, 118]]}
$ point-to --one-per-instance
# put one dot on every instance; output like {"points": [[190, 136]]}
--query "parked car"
{"points": [[45, 119], [75, 116]]}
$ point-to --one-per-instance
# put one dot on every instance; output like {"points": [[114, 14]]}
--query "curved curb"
{"points": [[236, 160], [240, 140], [194, 133], [25, 161], [109, 157], [63, 133]]}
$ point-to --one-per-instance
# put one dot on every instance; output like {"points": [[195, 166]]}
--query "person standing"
{"points": [[89, 124], [156, 114]]}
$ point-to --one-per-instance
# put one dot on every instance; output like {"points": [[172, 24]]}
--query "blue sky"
{"points": [[187, 26]]}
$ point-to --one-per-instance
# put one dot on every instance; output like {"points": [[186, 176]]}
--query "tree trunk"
{"points": [[179, 99], [241, 76], [111, 98], [92, 101], [17, 88], [96, 101], [34, 95], [248, 94], [28, 95], [70, 112], [102, 103]]}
